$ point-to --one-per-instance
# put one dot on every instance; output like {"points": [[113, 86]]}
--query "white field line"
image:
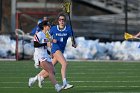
{"points": [[78, 61], [82, 73], [108, 86], [77, 65], [93, 73], [7, 59], [83, 77], [117, 69], [134, 81], [85, 87], [109, 61], [101, 64], [105, 81], [111, 92], [108, 69]]}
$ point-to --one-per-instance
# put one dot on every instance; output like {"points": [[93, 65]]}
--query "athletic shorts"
{"points": [[53, 50], [38, 57]]}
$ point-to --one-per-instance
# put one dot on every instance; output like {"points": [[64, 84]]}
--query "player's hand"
{"points": [[135, 36], [51, 55], [54, 41], [74, 45]]}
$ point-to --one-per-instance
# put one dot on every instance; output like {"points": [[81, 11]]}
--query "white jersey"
{"points": [[41, 53]]}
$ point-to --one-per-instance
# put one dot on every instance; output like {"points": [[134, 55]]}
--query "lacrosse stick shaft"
{"points": [[73, 36], [67, 9]]}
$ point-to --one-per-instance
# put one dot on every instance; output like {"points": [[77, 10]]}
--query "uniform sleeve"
{"points": [[33, 31], [37, 44], [51, 31], [37, 37], [38, 29]]}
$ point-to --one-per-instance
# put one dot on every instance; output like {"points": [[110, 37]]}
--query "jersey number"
{"points": [[61, 39]]}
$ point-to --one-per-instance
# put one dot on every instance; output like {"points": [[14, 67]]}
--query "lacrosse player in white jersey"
{"points": [[60, 34], [42, 58]]}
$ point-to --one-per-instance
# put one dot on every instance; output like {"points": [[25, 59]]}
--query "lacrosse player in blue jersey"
{"points": [[60, 34], [37, 28]]}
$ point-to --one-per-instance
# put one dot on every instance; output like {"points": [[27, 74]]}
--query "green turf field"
{"points": [[87, 77]]}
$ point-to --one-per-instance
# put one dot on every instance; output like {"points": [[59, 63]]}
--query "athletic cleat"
{"points": [[58, 88], [68, 86], [40, 81], [31, 82]]}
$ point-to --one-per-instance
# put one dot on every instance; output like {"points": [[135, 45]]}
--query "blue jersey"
{"points": [[61, 36], [35, 29]]}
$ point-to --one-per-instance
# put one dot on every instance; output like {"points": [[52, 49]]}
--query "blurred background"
{"points": [[99, 27]]}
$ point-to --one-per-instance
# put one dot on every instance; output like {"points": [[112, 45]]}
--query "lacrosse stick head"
{"points": [[67, 7], [128, 36]]}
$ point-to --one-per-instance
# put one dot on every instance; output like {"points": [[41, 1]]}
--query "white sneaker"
{"points": [[68, 86], [36, 65], [31, 82], [58, 88], [40, 81]]}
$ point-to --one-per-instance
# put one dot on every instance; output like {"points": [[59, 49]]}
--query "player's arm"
{"points": [[74, 44], [49, 44], [50, 34], [51, 40], [49, 48], [137, 35], [36, 42]]}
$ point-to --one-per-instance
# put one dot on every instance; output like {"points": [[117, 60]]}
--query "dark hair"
{"points": [[44, 23], [55, 22], [61, 14]]}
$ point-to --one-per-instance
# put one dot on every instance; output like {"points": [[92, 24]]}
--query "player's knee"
{"points": [[51, 72], [65, 64]]}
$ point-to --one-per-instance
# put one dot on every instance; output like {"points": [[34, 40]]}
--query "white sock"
{"points": [[35, 78], [56, 86], [42, 78], [64, 81]]}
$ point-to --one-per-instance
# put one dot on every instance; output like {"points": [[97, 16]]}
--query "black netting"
{"points": [[29, 17]]}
